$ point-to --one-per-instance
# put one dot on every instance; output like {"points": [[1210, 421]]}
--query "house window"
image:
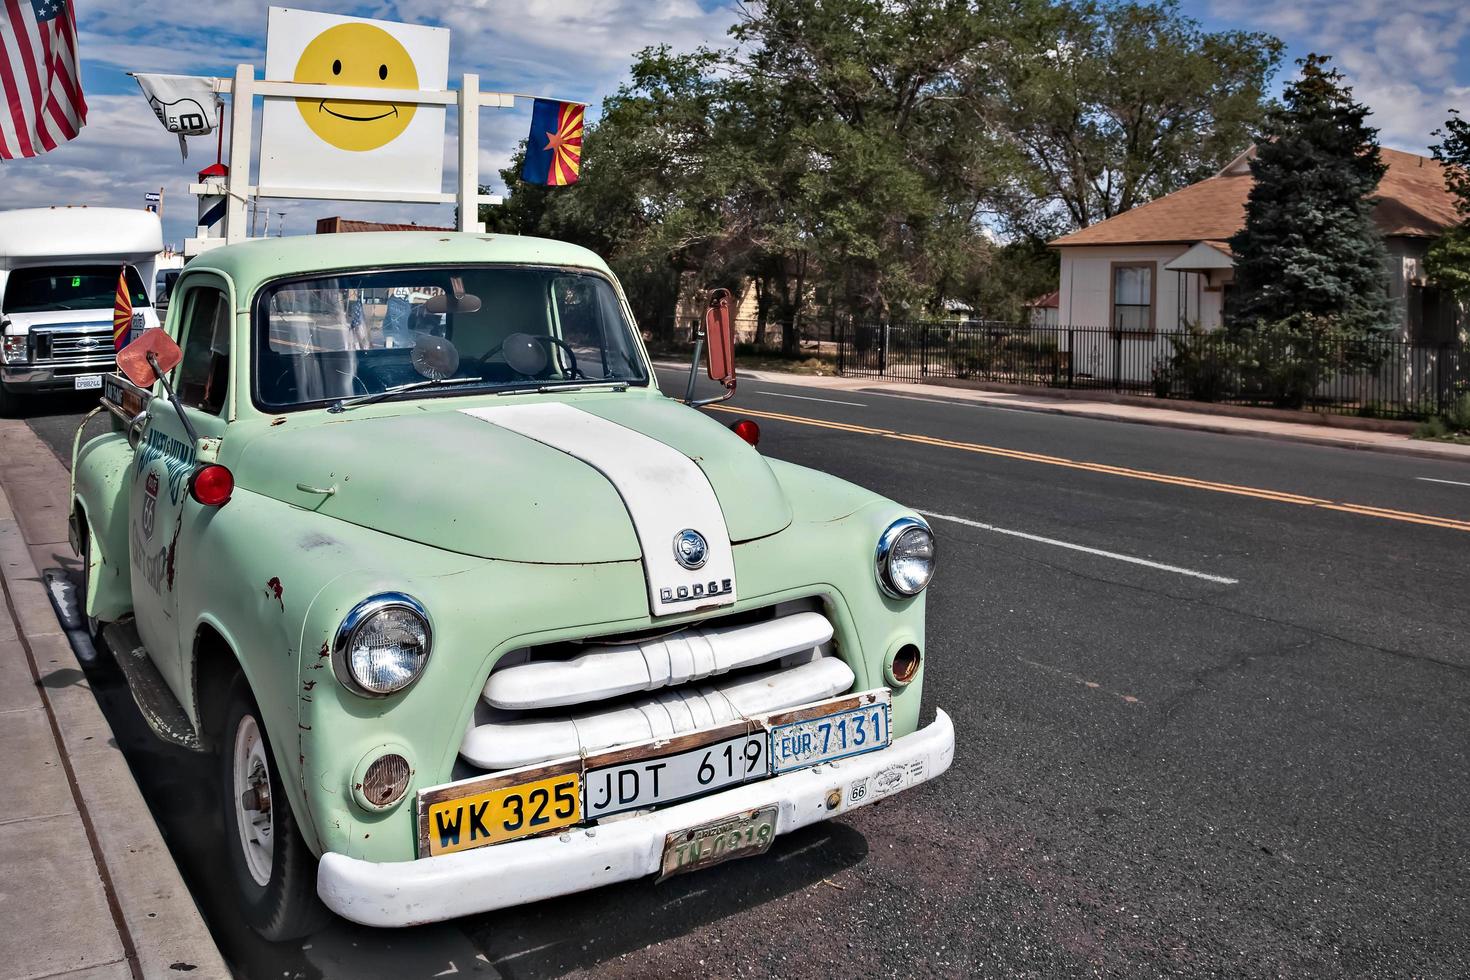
{"points": [[1133, 297]]}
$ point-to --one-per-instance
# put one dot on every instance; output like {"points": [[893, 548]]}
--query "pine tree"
{"points": [[1309, 252]]}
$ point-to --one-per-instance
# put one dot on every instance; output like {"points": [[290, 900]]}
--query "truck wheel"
{"points": [[92, 623], [275, 875], [9, 403]]}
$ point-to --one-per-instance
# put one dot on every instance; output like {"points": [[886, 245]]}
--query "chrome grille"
{"points": [[547, 703], [74, 345]]}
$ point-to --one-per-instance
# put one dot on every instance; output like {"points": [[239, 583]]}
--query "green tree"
{"points": [[1097, 108], [1449, 257], [1309, 250]]}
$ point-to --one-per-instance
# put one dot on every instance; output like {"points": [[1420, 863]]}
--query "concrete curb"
{"points": [[159, 925]]}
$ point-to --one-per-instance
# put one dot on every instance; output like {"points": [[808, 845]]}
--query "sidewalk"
{"points": [[1247, 423], [89, 888]]}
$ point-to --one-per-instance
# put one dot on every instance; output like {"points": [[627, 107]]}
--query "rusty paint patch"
{"points": [[274, 589], [173, 548], [278, 420], [308, 685]]}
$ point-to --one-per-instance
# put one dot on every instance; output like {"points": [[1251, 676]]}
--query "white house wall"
{"points": [[1086, 302]]}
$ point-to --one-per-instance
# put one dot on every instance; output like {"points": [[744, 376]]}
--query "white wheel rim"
{"points": [[251, 800]]}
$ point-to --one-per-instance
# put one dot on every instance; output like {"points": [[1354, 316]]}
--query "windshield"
{"points": [[349, 335], [69, 287]]}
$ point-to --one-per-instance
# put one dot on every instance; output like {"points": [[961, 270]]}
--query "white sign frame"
{"points": [[306, 155]]}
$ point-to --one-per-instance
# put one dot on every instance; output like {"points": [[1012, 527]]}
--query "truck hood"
{"points": [[457, 481]]}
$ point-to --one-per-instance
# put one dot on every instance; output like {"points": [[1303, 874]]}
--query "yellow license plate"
{"points": [[503, 814]]}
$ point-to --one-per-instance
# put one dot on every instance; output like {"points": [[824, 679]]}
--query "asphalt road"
{"points": [[1213, 708]]}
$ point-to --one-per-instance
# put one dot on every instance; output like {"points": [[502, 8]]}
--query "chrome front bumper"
{"points": [[407, 893], [51, 377]]}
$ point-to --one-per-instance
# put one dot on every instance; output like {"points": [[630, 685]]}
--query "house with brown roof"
{"points": [[1165, 265]]}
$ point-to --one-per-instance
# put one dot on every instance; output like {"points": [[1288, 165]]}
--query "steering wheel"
{"points": [[525, 355]]}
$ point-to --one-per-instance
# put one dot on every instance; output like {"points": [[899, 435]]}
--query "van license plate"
{"points": [[87, 382], [736, 836]]}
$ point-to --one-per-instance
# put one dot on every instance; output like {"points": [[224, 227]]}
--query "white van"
{"points": [[59, 269]]}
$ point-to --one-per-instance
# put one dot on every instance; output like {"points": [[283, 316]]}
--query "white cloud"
{"points": [[1407, 61]]}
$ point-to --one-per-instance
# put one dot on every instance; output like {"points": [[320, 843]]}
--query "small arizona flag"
{"points": [[122, 312], [554, 148]]}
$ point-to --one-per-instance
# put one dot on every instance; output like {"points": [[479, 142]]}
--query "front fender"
{"points": [[102, 480]]}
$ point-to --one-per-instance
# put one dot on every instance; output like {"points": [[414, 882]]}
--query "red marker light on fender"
{"points": [[212, 485], [748, 430]]}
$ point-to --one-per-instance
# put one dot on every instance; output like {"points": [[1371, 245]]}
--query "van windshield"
{"points": [[468, 328], [46, 289]]}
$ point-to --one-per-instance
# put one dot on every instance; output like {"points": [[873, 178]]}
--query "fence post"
{"points": [[1117, 360], [883, 350], [923, 350], [841, 338], [1071, 356]]}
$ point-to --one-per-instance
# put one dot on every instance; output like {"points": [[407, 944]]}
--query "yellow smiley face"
{"points": [[364, 56]]}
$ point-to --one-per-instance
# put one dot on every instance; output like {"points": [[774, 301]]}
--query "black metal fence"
{"points": [[1374, 378]]}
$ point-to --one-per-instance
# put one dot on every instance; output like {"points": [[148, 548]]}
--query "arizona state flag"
{"points": [[122, 312], [554, 148]]}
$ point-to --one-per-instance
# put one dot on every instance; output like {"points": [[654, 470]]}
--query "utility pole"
{"points": [[267, 221], [254, 214], [281, 225]]}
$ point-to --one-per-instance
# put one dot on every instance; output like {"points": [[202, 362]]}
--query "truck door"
{"points": [[162, 515]]}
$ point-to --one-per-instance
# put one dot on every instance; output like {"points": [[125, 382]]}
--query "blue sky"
{"points": [[1409, 60]]}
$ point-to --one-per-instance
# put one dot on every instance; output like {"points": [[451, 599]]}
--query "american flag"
{"points": [[41, 103]]}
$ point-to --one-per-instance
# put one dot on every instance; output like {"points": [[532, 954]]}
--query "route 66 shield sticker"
{"points": [[150, 504]]}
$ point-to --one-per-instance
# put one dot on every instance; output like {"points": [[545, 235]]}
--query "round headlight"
{"points": [[905, 559], [383, 644]]}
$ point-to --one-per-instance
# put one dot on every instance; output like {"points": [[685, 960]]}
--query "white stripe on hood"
{"points": [[664, 492]]}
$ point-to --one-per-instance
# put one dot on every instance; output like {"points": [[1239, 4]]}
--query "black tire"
{"points": [[91, 624], [286, 906]]}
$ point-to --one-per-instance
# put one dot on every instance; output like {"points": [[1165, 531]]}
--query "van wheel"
{"points": [[274, 873]]}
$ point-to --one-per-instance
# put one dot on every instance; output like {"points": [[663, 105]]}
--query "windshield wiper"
{"points": [[542, 389], [346, 403]]}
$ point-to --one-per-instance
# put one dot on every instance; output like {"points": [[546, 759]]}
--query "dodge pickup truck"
{"points": [[402, 529]]}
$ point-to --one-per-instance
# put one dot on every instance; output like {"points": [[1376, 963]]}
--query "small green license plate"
{"points": [[736, 836]]}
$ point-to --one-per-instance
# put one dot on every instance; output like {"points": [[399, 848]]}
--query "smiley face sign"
{"points": [[362, 55], [331, 142]]}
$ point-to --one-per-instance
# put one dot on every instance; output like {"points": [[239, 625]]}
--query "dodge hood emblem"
{"points": [[690, 548]]}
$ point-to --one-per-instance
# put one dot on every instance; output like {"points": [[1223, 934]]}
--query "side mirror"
{"points": [[719, 341], [150, 358], [141, 369], [719, 338]]}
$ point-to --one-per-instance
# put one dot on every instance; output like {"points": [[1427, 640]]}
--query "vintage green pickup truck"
{"points": [[471, 613]]}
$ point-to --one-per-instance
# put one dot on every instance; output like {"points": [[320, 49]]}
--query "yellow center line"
{"points": [[1277, 496]]}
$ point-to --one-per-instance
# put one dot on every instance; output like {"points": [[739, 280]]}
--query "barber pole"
{"points": [[212, 201]]}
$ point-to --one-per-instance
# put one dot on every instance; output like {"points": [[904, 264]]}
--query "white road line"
{"points": [[1083, 548], [809, 398], [1453, 483], [526, 952], [961, 402]]}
